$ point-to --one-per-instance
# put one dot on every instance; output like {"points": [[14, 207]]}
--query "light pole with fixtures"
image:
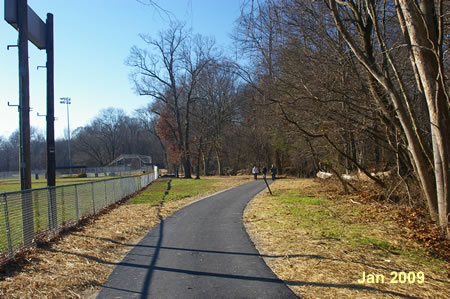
{"points": [[67, 101]]}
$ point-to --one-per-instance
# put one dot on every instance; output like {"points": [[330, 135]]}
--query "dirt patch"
{"points": [[320, 261], [76, 265]]}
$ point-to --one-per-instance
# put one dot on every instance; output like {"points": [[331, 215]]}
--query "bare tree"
{"points": [[216, 107], [170, 75], [102, 139], [9, 157], [149, 118]]}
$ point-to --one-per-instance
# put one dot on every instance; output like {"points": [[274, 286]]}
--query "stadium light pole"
{"points": [[67, 101]]}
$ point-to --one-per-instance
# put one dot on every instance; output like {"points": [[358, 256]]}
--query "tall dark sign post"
{"points": [[24, 96], [51, 161], [30, 27]]}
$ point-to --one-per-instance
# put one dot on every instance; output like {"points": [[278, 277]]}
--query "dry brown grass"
{"points": [[315, 265], [77, 264]]}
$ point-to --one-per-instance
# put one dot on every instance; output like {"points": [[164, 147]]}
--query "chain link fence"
{"points": [[26, 216]]}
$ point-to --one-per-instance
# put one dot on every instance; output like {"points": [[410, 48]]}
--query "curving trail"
{"points": [[201, 251]]}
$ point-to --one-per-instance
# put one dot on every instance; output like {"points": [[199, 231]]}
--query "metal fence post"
{"points": [[27, 217], [77, 204], [130, 186], [114, 190], [8, 232], [37, 212], [106, 195], [52, 212], [121, 188], [93, 197], [63, 210], [49, 210]]}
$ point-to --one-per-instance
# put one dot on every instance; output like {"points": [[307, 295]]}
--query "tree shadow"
{"points": [[149, 275], [308, 256], [152, 267]]}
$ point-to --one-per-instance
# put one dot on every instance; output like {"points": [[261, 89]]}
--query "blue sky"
{"points": [[92, 40]]}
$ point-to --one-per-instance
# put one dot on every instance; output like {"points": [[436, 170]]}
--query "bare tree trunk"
{"points": [[420, 25], [199, 151], [219, 168], [204, 164], [278, 162], [187, 154], [314, 156]]}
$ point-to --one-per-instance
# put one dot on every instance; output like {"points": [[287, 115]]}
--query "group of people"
{"points": [[273, 172]]}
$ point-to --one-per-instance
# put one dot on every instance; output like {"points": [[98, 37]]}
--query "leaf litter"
{"points": [[366, 237]]}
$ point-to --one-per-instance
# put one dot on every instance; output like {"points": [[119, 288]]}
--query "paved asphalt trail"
{"points": [[201, 251]]}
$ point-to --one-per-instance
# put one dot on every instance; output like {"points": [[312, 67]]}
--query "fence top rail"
{"points": [[71, 185]]}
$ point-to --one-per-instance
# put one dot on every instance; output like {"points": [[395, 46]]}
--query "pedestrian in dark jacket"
{"points": [[273, 172]]}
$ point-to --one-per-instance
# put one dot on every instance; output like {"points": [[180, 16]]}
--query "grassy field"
{"points": [[321, 243], [11, 185]]}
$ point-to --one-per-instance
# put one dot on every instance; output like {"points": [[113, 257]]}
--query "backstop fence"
{"points": [[30, 215]]}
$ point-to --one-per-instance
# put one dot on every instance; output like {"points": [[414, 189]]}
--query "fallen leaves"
{"points": [[419, 227], [321, 267]]}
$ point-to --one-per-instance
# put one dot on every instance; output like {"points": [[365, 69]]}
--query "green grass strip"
{"points": [[165, 189]]}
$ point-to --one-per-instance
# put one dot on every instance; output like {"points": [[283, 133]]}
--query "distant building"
{"points": [[132, 161]]}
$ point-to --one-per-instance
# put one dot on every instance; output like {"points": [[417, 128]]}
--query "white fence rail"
{"points": [[28, 215]]}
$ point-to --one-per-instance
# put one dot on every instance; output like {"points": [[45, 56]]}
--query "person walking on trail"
{"points": [[264, 172], [255, 172], [273, 172]]}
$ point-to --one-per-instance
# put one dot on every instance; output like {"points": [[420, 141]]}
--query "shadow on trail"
{"points": [[152, 267], [148, 276], [307, 256]]}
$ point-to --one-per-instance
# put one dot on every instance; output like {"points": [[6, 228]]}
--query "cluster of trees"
{"points": [[111, 133], [360, 84], [200, 105], [350, 85], [9, 154]]}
